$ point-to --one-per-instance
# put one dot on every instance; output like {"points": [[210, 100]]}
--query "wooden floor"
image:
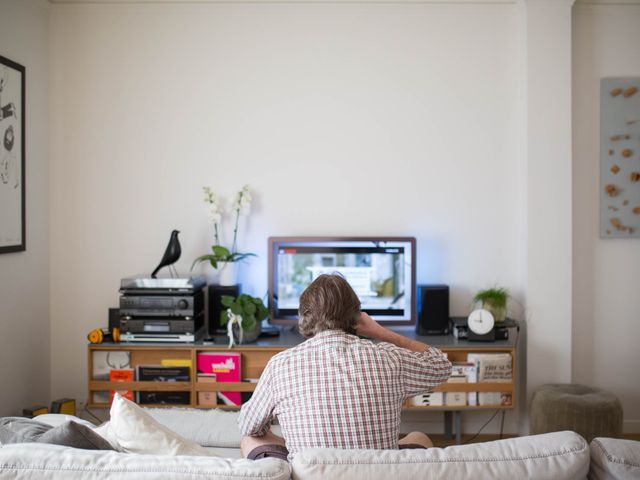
{"points": [[440, 441]]}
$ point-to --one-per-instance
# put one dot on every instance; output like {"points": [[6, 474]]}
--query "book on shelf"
{"points": [[226, 367], [429, 399], [164, 398], [102, 362], [207, 399], [121, 375], [163, 373], [469, 372], [494, 368], [457, 399], [176, 362], [245, 397]]}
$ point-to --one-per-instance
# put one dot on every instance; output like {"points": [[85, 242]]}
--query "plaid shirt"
{"points": [[337, 390]]}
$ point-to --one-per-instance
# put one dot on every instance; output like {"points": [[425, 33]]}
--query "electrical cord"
{"points": [[481, 428]]}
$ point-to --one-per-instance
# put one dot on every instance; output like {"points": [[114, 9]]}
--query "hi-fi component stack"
{"points": [[161, 309]]}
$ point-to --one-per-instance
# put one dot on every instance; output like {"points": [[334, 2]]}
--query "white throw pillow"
{"points": [[133, 430], [104, 430]]}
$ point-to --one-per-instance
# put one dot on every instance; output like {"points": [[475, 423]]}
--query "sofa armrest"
{"points": [[614, 459]]}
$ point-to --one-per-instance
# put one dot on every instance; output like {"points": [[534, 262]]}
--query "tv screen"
{"points": [[380, 270]]}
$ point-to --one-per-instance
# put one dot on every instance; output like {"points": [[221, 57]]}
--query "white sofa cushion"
{"points": [[57, 419], [614, 459], [22, 461], [133, 430], [552, 456], [209, 428]]}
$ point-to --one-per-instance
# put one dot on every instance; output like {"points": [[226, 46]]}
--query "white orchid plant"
{"points": [[241, 206]]}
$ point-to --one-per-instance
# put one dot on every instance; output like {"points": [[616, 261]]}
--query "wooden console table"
{"points": [[256, 355]]}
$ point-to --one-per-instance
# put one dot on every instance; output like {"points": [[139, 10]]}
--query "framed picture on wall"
{"points": [[619, 155], [12, 156]]}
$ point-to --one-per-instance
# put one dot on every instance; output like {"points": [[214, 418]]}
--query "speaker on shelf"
{"points": [[114, 318], [433, 310], [214, 305]]}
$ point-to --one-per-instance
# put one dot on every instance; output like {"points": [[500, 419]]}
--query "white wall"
{"points": [[347, 119], [547, 143], [606, 304], [24, 276]]}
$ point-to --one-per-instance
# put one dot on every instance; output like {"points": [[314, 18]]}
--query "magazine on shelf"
{"points": [[469, 371], [226, 367], [121, 375], [494, 368]]}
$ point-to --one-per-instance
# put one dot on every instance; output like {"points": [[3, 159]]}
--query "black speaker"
{"points": [[433, 310], [114, 318], [214, 305]]}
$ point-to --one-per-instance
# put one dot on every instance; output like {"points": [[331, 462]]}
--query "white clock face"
{"points": [[480, 321]]}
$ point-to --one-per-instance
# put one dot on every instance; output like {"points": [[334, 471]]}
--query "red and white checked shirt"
{"points": [[337, 390]]}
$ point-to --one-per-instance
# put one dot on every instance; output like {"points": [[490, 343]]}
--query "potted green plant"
{"points": [[248, 312], [224, 259], [495, 300]]}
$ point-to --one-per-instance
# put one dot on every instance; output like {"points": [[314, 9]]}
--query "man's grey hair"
{"points": [[328, 303]]}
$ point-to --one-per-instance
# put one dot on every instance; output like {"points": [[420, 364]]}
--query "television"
{"points": [[381, 270]]}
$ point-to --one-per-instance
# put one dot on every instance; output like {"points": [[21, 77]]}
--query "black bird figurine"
{"points": [[171, 254]]}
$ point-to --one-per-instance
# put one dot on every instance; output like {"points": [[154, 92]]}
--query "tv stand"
{"points": [[256, 355], [270, 331]]}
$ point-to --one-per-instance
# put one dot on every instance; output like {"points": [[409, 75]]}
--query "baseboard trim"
{"points": [[631, 426]]}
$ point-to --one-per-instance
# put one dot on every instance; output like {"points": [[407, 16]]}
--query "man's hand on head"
{"points": [[367, 326]]}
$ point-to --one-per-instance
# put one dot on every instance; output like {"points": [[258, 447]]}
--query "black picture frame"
{"points": [[12, 157]]}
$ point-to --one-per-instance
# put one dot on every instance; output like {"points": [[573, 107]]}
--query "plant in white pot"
{"points": [[243, 317], [225, 260], [495, 301]]}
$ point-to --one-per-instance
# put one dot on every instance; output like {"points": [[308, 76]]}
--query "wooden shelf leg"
{"points": [[457, 416]]}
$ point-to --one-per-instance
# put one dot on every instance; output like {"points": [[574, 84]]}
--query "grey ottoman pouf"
{"points": [[591, 412]]}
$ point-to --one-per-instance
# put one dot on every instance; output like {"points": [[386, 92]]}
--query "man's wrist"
{"points": [[386, 335]]}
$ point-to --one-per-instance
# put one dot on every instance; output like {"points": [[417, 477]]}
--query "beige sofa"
{"points": [[553, 456]]}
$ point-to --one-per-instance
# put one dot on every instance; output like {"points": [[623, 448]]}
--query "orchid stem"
{"points": [[235, 231]]}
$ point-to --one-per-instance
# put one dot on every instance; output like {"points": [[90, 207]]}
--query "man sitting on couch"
{"points": [[335, 389]]}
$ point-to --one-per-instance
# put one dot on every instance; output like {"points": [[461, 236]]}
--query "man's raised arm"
{"points": [[423, 367]]}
